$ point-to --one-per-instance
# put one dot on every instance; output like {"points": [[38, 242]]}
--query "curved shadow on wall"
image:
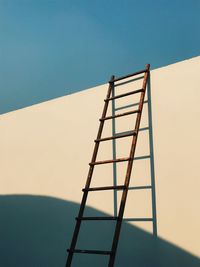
{"points": [[35, 232]]}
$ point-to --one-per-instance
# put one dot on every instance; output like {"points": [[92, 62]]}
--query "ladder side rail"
{"points": [[89, 177], [128, 173]]}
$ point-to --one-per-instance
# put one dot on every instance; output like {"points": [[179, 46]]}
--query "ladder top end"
{"points": [[111, 79], [147, 66]]}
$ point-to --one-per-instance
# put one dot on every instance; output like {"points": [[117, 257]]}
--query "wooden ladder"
{"points": [[130, 159]]}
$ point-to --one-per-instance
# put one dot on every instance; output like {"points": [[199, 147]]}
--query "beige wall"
{"points": [[46, 148]]}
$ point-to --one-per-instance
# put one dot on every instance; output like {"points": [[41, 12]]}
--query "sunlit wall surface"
{"points": [[45, 151]]}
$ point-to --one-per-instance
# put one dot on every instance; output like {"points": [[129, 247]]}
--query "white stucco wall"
{"points": [[46, 148]]}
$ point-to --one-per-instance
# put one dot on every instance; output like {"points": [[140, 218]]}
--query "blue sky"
{"points": [[53, 48]]}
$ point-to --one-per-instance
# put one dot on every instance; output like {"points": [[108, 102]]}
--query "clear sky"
{"points": [[50, 48]]}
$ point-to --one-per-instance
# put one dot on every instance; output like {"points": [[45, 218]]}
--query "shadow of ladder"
{"points": [[149, 128], [118, 215]]}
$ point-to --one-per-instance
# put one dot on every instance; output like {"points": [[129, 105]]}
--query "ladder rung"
{"points": [[97, 218], [119, 187], [87, 251], [114, 219], [125, 94], [116, 136], [120, 115], [129, 75], [109, 161]]}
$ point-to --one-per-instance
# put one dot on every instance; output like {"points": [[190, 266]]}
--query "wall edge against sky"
{"points": [[91, 88]]}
